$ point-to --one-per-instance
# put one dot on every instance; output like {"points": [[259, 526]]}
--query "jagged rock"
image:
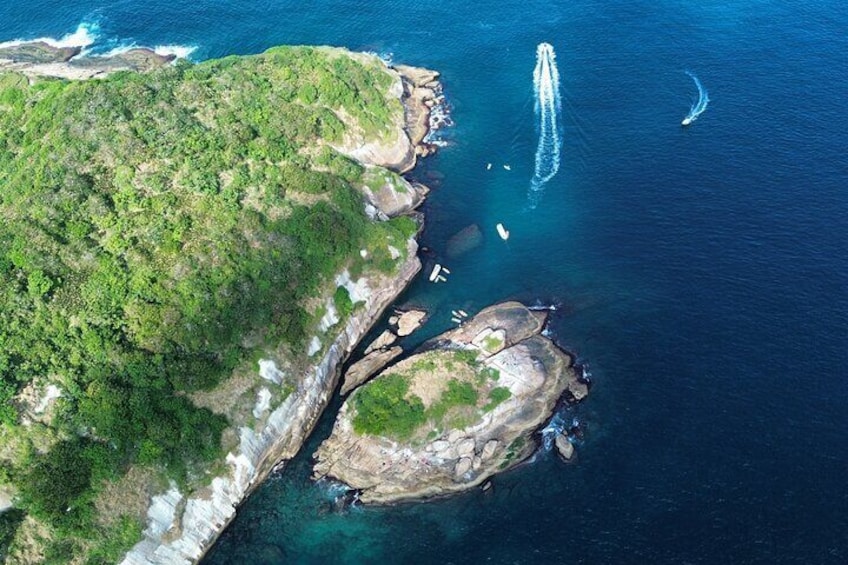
{"points": [[141, 59], [410, 321], [579, 390], [390, 193], [476, 462], [464, 241], [564, 447], [369, 365], [38, 52], [384, 340], [489, 449], [418, 76], [465, 448], [477, 436], [455, 436], [462, 466], [440, 445]]}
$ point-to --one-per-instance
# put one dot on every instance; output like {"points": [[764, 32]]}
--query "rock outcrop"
{"points": [[564, 447], [417, 89], [41, 59], [410, 321], [368, 366], [474, 398], [390, 193]]}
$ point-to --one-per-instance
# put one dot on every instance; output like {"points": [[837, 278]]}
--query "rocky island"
{"points": [[187, 257], [451, 416]]}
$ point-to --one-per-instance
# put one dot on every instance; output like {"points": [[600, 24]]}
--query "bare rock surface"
{"points": [[480, 392], [41, 59], [366, 367], [564, 447], [384, 340], [410, 321]]}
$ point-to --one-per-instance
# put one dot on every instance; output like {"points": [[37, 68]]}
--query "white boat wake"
{"points": [[548, 109], [698, 107]]}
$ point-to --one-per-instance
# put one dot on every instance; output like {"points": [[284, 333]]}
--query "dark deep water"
{"points": [[702, 272]]}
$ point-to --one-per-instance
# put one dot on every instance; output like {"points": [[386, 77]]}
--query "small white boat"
{"points": [[440, 278], [463, 313], [503, 232], [686, 121], [445, 270], [456, 321], [435, 273], [507, 167], [488, 166]]}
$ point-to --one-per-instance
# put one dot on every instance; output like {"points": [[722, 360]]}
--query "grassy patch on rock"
{"points": [[432, 391]]}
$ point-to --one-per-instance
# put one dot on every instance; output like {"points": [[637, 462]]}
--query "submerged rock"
{"points": [[450, 417], [464, 241]]}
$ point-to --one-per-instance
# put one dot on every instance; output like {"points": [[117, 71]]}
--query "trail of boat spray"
{"points": [[548, 110], [698, 107]]}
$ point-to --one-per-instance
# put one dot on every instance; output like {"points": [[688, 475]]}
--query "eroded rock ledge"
{"points": [[468, 409], [40, 59]]}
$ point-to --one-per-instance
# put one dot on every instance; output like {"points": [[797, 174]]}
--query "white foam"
{"points": [[698, 107], [84, 36], [181, 51], [119, 50], [548, 105]]}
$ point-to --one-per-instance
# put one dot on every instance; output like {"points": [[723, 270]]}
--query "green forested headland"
{"points": [[149, 223]]}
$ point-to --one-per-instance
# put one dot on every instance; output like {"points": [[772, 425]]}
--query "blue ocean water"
{"points": [[700, 272]]}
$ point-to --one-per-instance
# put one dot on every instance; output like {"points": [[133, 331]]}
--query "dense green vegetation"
{"points": [[384, 409], [150, 222]]}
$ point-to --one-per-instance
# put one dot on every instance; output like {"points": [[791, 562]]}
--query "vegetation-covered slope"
{"points": [[151, 224]]}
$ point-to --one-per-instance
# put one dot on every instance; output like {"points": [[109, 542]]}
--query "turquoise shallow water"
{"points": [[701, 273]]}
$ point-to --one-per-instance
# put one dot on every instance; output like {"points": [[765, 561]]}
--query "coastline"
{"points": [[180, 528], [182, 531]]}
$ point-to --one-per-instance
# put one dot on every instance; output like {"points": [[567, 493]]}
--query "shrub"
{"points": [[343, 303], [383, 408], [496, 396]]}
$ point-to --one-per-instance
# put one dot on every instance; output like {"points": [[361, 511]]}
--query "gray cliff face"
{"points": [[457, 446], [180, 531]]}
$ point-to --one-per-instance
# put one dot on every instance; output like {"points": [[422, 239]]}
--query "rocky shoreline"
{"points": [[39, 59], [181, 530], [451, 416]]}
